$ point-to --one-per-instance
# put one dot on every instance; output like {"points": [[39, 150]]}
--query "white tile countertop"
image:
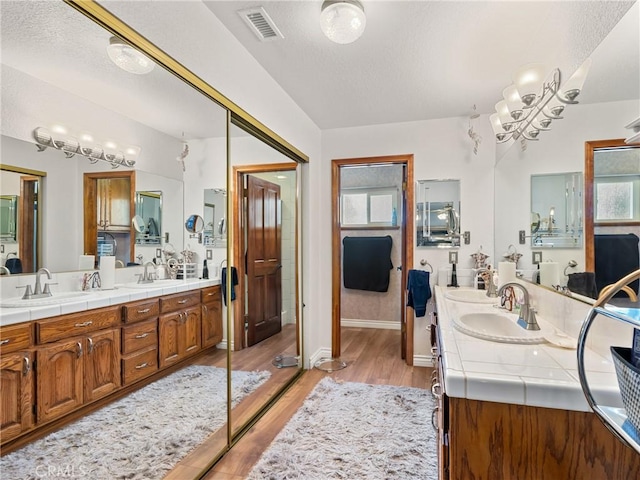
{"points": [[100, 298], [541, 375]]}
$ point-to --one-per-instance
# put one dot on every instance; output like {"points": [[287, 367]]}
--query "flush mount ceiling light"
{"points": [[342, 21], [128, 58], [532, 102]]}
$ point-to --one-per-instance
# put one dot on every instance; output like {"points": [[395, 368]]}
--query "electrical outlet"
{"points": [[158, 252], [536, 257], [453, 257]]}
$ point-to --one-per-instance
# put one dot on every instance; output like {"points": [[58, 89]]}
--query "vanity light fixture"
{"points": [[342, 21], [533, 101], [128, 58], [70, 147]]}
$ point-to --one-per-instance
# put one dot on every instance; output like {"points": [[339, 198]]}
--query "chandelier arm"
{"points": [[565, 100], [524, 135]]}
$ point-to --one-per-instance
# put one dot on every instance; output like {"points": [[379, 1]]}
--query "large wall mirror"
{"points": [[54, 77]]}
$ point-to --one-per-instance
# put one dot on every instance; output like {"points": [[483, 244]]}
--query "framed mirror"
{"points": [[438, 213], [215, 223], [148, 218], [557, 210]]}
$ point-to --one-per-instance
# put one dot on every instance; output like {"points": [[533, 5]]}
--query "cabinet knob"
{"points": [[436, 391]]}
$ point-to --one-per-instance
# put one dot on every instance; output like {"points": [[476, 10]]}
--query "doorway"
{"points": [[376, 213]]}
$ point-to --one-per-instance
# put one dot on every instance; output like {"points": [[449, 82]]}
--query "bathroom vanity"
{"points": [[516, 410], [57, 367]]}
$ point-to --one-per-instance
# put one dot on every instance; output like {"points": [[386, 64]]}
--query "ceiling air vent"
{"points": [[260, 23]]}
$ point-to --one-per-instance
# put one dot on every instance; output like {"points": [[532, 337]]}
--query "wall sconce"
{"points": [[532, 102], [70, 147]]}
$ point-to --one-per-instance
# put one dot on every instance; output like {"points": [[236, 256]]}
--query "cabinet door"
{"points": [[190, 331], [16, 377], [102, 364], [211, 324], [60, 378], [118, 202], [169, 327]]}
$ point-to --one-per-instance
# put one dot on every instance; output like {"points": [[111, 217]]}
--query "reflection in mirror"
{"points": [[556, 210], [148, 218], [20, 219], [215, 223], [265, 257], [63, 75], [438, 213], [194, 224]]}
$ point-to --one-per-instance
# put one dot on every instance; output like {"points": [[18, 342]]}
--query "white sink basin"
{"points": [[154, 284], [55, 299], [470, 296], [497, 328]]}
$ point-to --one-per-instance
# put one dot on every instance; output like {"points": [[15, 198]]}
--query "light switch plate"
{"points": [[209, 254], [158, 252], [453, 257], [536, 257]]}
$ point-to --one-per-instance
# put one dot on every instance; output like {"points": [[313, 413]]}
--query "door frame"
{"points": [[407, 248], [236, 195]]}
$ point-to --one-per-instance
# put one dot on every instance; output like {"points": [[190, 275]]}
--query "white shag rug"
{"points": [[355, 431], [141, 436]]}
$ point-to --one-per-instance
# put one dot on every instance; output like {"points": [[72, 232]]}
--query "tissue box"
{"points": [[629, 383]]}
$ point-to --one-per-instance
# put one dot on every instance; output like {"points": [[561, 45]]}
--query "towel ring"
{"points": [[424, 263]]}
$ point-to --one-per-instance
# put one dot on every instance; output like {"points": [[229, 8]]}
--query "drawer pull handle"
{"points": [[142, 365], [146, 310], [172, 356], [90, 345], [192, 347], [210, 294], [182, 302], [79, 349], [142, 335], [4, 342], [26, 368], [434, 417], [206, 310], [84, 324]]}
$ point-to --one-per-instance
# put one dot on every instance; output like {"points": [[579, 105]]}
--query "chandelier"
{"points": [[533, 101]]}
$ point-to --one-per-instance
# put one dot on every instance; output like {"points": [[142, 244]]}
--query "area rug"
{"points": [[355, 431], [141, 436]]}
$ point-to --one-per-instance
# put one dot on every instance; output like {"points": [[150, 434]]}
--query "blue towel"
{"points": [[14, 265], [234, 282], [419, 291]]}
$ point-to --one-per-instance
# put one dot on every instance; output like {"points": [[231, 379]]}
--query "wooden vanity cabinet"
{"points": [[211, 316], [17, 380], [179, 327], [80, 369]]}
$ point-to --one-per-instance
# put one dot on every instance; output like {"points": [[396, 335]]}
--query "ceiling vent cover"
{"points": [[260, 23]]}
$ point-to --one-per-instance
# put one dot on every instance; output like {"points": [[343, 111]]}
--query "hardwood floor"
{"points": [[372, 356]]}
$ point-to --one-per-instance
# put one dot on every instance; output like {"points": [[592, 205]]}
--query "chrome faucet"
{"points": [[4, 270], [147, 277], [38, 291], [487, 276], [527, 318]]}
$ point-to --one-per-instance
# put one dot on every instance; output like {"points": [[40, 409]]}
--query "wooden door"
{"points": [[190, 333], [60, 378], [16, 378], [28, 223], [169, 327], [102, 364], [264, 262]]}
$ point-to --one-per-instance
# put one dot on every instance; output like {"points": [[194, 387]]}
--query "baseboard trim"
{"points": [[320, 353], [423, 361], [383, 324]]}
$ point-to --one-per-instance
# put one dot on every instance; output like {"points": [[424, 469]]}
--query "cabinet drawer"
{"points": [[211, 294], [16, 337], [134, 312], [179, 301], [139, 336], [67, 326], [140, 365]]}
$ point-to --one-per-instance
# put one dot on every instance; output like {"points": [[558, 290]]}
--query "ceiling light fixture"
{"points": [[128, 58], [342, 21], [532, 102]]}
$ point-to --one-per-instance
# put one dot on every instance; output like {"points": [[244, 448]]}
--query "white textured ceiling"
{"points": [[434, 59]]}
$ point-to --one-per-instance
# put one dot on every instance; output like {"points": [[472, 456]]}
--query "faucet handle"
{"points": [[28, 293], [46, 290]]}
